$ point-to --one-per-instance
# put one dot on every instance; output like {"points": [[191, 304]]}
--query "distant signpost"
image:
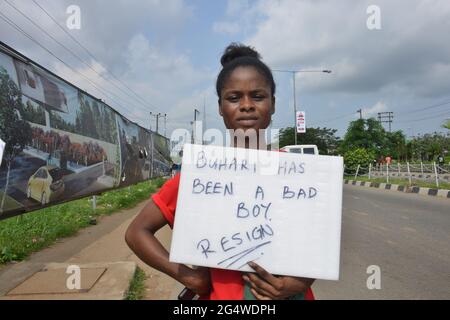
{"points": [[281, 210], [301, 121]]}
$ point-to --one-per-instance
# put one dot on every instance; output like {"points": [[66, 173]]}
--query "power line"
{"points": [[76, 56], [334, 119], [71, 52], [20, 30], [15, 26], [427, 114], [430, 107], [88, 52], [447, 112]]}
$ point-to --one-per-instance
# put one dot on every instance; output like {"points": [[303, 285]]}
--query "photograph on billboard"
{"points": [[161, 154], [135, 144], [41, 86], [63, 144]]}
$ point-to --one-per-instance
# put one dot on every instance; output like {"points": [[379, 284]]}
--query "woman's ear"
{"points": [[220, 107], [272, 109]]}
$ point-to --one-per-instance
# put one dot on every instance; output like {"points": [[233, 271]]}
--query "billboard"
{"points": [[62, 144]]}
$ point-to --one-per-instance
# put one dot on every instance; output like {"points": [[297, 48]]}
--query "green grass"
{"points": [[402, 182], [137, 286], [30, 232]]}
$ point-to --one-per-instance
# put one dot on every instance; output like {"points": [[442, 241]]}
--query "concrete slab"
{"points": [[12, 274], [103, 281], [96, 244], [55, 281]]}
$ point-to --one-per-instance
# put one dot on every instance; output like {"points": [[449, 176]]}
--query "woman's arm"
{"points": [[140, 237], [266, 286]]}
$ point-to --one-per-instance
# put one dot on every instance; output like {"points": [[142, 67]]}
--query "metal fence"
{"points": [[426, 172]]}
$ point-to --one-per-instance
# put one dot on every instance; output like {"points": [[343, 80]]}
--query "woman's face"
{"points": [[246, 100]]}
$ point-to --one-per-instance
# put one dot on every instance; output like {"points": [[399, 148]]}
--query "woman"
{"points": [[246, 92]]}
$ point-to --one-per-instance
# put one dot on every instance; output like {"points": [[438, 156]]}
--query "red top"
{"points": [[226, 284]]}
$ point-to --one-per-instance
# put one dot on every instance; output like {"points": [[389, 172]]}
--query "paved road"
{"points": [[406, 235]]}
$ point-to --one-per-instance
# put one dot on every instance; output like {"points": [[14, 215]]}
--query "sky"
{"points": [[166, 55]]}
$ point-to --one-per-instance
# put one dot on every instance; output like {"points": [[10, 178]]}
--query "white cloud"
{"points": [[236, 7], [229, 28], [320, 34], [168, 80], [240, 18], [372, 111]]}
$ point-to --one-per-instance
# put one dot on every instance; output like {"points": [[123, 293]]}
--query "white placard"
{"points": [[281, 210], [2, 147], [301, 121]]}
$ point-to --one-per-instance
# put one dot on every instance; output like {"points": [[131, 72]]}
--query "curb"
{"points": [[426, 175], [395, 187]]}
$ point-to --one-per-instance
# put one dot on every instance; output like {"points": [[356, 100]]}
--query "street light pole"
{"points": [[295, 110], [193, 124], [294, 72], [195, 114]]}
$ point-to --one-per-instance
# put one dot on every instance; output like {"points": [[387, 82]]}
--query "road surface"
{"points": [[406, 235]]}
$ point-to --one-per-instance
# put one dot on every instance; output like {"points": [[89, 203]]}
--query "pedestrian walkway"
{"points": [[97, 248]]}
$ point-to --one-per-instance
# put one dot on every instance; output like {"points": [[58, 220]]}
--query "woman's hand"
{"points": [[266, 286], [198, 280]]}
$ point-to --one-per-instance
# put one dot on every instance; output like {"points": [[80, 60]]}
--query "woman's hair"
{"points": [[238, 55]]}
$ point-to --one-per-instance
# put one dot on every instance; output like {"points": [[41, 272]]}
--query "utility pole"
{"points": [[360, 113], [151, 115], [386, 117], [157, 118], [294, 72], [157, 121], [165, 122]]}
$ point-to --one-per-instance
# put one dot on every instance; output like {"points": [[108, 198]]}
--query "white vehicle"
{"points": [[302, 149]]}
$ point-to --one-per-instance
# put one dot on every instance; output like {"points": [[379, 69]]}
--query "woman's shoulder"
{"points": [[172, 184]]}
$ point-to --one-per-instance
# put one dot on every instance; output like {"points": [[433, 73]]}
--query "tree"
{"points": [[358, 156], [395, 145], [324, 138], [14, 131], [33, 114], [430, 145], [364, 133], [446, 125]]}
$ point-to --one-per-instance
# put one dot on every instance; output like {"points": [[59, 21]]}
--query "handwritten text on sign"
{"points": [[281, 210]]}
